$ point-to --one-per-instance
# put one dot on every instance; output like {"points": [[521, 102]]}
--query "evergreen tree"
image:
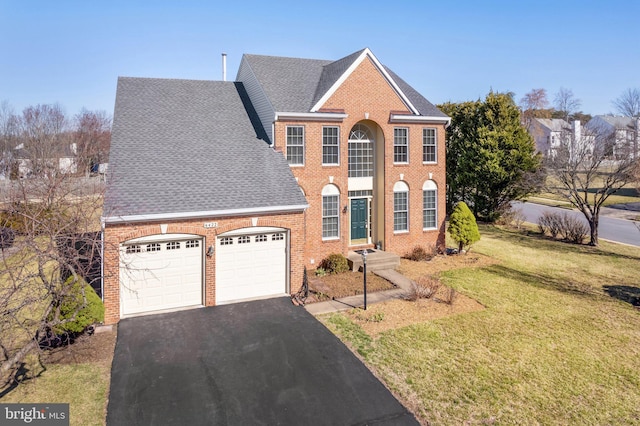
{"points": [[463, 227], [491, 158]]}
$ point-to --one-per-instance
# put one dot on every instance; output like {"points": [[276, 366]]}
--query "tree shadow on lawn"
{"points": [[625, 293], [538, 241], [545, 281]]}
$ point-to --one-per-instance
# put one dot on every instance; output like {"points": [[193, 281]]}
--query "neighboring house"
{"points": [[617, 137], [30, 162], [225, 191], [548, 133]]}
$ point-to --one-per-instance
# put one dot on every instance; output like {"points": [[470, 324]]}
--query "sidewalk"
{"points": [[402, 283]]}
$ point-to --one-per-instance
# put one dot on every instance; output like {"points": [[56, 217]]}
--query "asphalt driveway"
{"points": [[256, 363]]}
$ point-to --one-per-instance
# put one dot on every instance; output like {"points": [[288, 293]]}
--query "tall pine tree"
{"points": [[491, 158]]}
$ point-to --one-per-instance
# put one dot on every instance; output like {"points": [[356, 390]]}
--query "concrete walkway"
{"points": [[402, 283]]}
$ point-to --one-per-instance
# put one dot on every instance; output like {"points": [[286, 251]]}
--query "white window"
{"points": [[244, 240], [295, 145], [261, 238], [153, 247], [400, 207], [429, 145], [330, 212], [360, 152], [226, 241], [133, 249], [330, 146], [277, 237], [174, 245], [429, 205], [192, 244], [400, 145]]}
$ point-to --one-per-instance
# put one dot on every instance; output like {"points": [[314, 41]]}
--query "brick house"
{"points": [[224, 191]]}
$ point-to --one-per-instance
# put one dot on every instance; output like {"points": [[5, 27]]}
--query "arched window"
{"points": [[429, 205], [400, 207], [360, 152], [330, 212]]}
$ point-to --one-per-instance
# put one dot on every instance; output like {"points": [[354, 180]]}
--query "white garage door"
{"points": [[251, 264], [160, 272]]}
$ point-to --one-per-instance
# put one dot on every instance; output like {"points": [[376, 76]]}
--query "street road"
{"points": [[611, 228]]}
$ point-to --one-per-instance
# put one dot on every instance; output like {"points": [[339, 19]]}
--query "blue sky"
{"points": [[72, 52]]}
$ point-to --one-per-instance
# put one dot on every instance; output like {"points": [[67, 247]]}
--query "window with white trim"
{"points": [[245, 239], [277, 237], [400, 207], [133, 249], [192, 244], [173, 245], [330, 146], [360, 152], [226, 241], [295, 145], [429, 145], [330, 212], [261, 238], [429, 205], [401, 145]]}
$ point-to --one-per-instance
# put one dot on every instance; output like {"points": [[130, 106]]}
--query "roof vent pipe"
{"points": [[224, 67]]}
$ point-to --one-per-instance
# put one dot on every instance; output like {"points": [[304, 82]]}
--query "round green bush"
{"points": [[87, 314]]}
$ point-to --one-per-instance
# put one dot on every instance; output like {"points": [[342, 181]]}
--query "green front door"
{"points": [[359, 216]]}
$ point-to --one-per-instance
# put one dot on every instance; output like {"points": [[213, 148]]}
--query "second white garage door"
{"points": [[251, 264]]}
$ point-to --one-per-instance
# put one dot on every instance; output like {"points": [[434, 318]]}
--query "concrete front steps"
{"points": [[376, 260]]}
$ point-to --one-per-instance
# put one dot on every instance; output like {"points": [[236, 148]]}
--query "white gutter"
{"points": [[311, 116], [405, 118], [204, 214]]}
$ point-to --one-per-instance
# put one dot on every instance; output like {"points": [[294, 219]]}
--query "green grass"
{"points": [[83, 386], [551, 348]]}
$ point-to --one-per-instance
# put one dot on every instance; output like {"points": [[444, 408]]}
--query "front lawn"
{"points": [[78, 374], [551, 346]]}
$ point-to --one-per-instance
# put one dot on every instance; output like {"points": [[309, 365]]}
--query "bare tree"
{"points": [[92, 137], [534, 104], [628, 103], [566, 103], [9, 122], [49, 215], [581, 172], [44, 136]]}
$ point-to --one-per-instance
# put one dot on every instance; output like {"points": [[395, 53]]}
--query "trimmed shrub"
{"points": [[550, 223], [335, 263], [85, 314], [423, 288], [463, 227], [568, 226], [512, 217], [419, 253], [574, 229]]}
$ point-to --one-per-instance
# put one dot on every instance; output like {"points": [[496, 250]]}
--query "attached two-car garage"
{"points": [[167, 271]]}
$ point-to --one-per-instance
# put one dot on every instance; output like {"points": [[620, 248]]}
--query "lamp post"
{"points": [[364, 270]]}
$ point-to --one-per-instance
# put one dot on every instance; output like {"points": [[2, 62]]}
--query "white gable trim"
{"points": [[366, 52], [404, 118], [310, 116]]}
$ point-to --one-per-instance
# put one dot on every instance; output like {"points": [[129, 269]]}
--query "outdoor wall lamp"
{"points": [[210, 251], [345, 208]]}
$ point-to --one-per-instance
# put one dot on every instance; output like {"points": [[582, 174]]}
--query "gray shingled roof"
{"points": [[289, 83], [554, 124], [185, 146], [296, 85]]}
